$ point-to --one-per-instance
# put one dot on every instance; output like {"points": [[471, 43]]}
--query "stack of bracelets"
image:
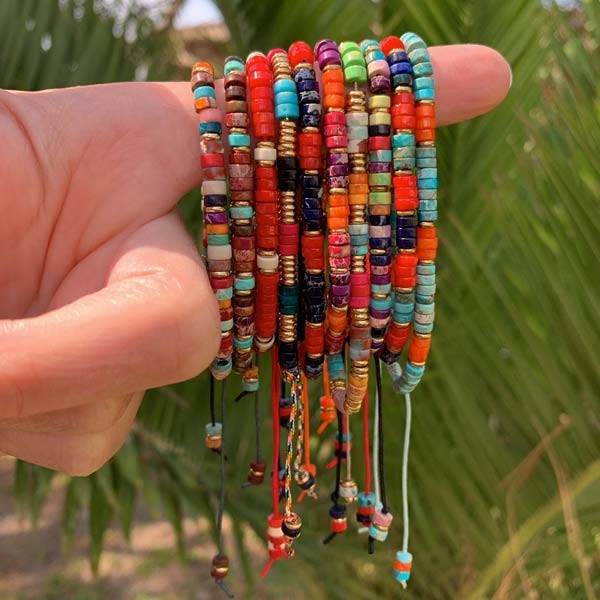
{"points": [[329, 172]]}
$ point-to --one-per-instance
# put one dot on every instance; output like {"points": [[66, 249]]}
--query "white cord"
{"points": [[405, 516], [375, 453]]}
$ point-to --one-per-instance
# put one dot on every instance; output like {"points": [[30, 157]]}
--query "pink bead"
{"points": [[383, 519], [339, 262], [210, 114], [359, 302], [338, 239], [359, 279], [378, 67], [336, 141]]}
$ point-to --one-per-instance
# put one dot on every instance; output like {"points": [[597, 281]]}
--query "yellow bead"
{"points": [[379, 101], [380, 118]]}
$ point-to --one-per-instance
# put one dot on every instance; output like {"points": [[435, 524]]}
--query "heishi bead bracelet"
{"points": [[320, 244]]}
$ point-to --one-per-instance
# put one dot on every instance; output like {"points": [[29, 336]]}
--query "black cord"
{"points": [[338, 471], [222, 465], [240, 395], [212, 399], [380, 453]]}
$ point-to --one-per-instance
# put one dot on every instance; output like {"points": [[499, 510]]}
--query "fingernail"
{"points": [[510, 75]]}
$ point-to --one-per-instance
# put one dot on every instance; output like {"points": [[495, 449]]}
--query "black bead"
{"points": [[379, 130]]}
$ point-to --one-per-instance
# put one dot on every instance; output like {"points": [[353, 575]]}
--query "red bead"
{"points": [[403, 122], [310, 163], [261, 105], [334, 118], [300, 52], [274, 52], [391, 43], [379, 142], [264, 92], [265, 131], [259, 78], [221, 283], [212, 160]]}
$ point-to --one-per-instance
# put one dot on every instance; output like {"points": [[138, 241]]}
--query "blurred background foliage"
{"points": [[505, 463]]}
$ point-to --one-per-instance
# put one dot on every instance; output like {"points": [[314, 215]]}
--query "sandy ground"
{"points": [[33, 567]]}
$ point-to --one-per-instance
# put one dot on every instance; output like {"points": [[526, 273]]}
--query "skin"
{"points": [[104, 294]]}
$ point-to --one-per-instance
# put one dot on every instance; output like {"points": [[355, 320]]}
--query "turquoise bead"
{"points": [[404, 164], [381, 303], [227, 325], [426, 151], [374, 54], [238, 139], [423, 70], [224, 294], [404, 152], [380, 156], [345, 436], [285, 86], [404, 297], [425, 279], [359, 250], [403, 139], [213, 429], [426, 163], [250, 386], [244, 283], [430, 173], [425, 290], [427, 204], [426, 309], [419, 55], [368, 43], [287, 111], [360, 239], [381, 289], [217, 239], [241, 212], [425, 94], [243, 344], [204, 91], [428, 215], [428, 184], [359, 132], [424, 83], [358, 229], [423, 327], [209, 127], [335, 366], [426, 194], [365, 499], [412, 42], [234, 66], [425, 269], [222, 368], [286, 97]]}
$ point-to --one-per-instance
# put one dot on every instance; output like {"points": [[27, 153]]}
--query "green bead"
{"points": [[380, 179], [353, 58], [355, 74], [345, 47]]}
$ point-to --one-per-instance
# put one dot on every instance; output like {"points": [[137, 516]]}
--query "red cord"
{"points": [[275, 391], [366, 442]]}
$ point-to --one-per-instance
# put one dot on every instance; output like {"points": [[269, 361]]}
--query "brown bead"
{"points": [[235, 92], [257, 472], [236, 106], [235, 79], [220, 566], [242, 230]]}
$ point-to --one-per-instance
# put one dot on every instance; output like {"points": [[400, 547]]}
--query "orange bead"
{"points": [[338, 211], [334, 87], [425, 110], [419, 348], [203, 66], [337, 223], [424, 135], [354, 199], [334, 101], [380, 209], [218, 228], [204, 102], [332, 75], [359, 178], [337, 200], [427, 232]]}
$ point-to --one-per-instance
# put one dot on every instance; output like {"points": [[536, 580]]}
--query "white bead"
{"points": [[267, 262], [265, 154], [219, 252], [264, 346], [214, 187], [357, 119]]}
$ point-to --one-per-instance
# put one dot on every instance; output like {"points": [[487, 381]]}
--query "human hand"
{"points": [[104, 293]]}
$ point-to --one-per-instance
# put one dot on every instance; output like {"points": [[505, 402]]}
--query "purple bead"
{"points": [[379, 314], [340, 300], [329, 57], [325, 44], [215, 218], [380, 84], [338, 182], [379, 270], [337, 170], [380, 167], [337, 159], [340, 279], [380, 279]]}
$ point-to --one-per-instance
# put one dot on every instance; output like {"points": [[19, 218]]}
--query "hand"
{"points": [[103, 292]]}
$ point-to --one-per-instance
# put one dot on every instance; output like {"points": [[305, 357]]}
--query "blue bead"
{"points": [[425, 269], [419, 55], [374, 54], [359, 239], [426, 151], [368, 43], [401, 68], [238, 139], [412, 42], [244, 283], [284, 85], [242, 344], [381, 303], [286, 98], [305, 86], [426, 194], [425, 309], [209, 127], [424, 163], [427, 204], [381, 289], [287, 111], [423, 328], [359, 250], [404, 79], [425, 279], [424, 83], [204, 91], [404, 164], [424, 94], [397, 57], [425, 290], [430, 173]]}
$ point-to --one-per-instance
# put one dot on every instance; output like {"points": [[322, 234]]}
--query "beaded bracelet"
{"points": [[313, 244], [260, 88], [336, 141], [214, 202], [355, 72]]}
